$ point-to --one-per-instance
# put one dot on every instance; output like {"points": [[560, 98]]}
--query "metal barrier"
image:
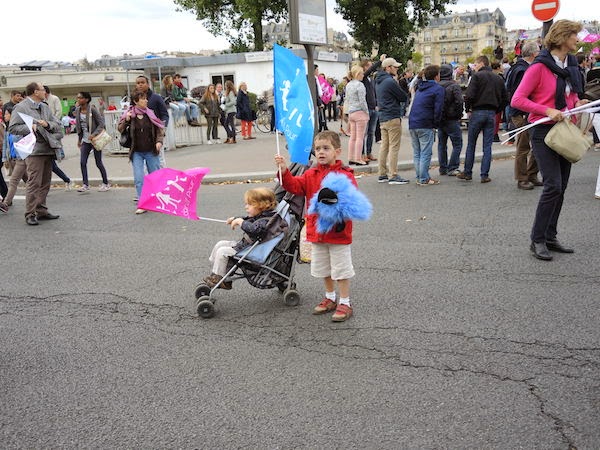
{"points": [[179, 135]]}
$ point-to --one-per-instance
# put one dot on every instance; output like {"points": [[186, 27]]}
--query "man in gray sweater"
{"points": [[48, 133]]}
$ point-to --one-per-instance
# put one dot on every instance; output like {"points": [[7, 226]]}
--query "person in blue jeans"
{"points": [[147, 134], [450, 125], [485, 96], [425, 115]]}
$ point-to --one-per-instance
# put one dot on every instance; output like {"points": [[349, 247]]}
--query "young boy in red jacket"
{"points": [[331, 255]]}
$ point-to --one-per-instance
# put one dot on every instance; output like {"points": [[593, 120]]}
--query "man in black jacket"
{"points": [[485, 96], [526, 169], [450, 125]]}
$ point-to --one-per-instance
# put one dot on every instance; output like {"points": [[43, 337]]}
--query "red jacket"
{"points": [[308, 184]]}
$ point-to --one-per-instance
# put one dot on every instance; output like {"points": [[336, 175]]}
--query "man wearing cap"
{"points": [[389, 99]]}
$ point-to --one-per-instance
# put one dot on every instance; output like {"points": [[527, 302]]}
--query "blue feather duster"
{"points": [[351, 204]]}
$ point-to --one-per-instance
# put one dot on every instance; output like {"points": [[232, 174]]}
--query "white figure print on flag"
{"points": [[294, 109], [173, 192]]}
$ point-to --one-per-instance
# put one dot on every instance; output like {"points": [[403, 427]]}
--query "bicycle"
{"points": [[263, 121]]}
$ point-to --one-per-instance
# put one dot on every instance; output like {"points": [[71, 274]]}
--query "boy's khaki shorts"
{"points": [[331, 260]]}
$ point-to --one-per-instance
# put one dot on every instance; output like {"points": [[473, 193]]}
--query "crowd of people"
{"points": [[374, 98], [144, 121]]}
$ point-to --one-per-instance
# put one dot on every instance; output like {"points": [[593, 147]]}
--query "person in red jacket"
{"points": [[331, 255]]}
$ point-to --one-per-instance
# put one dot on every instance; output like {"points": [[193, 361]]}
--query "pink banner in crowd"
{"points": [[591, 38], [173, 192]]}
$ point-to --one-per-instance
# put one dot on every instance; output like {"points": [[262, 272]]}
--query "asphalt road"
{"points": [[460, 339]]}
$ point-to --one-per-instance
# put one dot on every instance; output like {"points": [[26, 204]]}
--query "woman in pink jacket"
{"points": [[550, 85]]}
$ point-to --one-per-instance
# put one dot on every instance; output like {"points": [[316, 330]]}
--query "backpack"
{"points": [[326, 89], [592, 90], [453, 109], [510, 83], [11, 145]]}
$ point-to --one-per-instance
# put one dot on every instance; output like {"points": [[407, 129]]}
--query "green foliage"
{"points": [[588, 46], [385, 25], [252, 98], [489, 52], [417, 60], [239, 21]]}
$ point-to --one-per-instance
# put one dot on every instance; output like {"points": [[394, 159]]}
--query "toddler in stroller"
{"points": [[264, 257], [260, 206]]}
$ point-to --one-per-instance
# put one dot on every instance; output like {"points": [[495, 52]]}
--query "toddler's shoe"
{"points": [[212, 280], [342, 313], [325, 306]]}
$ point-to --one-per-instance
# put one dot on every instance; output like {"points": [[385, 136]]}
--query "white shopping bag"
{"points": [[25, 145], [598, 184]]}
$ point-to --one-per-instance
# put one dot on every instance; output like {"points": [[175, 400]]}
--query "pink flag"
{"points": [[173, 192], [591, 38]]}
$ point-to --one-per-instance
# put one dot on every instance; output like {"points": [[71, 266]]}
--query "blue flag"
{"points": [[294, 109]]}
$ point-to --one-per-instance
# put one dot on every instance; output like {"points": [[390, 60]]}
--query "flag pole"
{"points": [[278, 153], [212, 220]]}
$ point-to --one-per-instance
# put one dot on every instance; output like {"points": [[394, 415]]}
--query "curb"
{"points": [[250, 177]]}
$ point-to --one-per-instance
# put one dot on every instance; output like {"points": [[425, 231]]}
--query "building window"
{"points": [[444, 50], [455, 48], [427, 60], [222, 78], [490, 43], [456, 32], [443, 60], [456, 59], [427, 36]]}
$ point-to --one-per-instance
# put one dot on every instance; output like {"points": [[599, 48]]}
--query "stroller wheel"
{"points": [[201, 290], [206, 309], [291, 298]]}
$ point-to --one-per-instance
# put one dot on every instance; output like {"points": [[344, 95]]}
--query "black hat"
{"points": [[327, 196]]}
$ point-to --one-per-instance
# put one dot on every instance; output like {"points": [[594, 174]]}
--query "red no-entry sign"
{"points": [[545, 10]]}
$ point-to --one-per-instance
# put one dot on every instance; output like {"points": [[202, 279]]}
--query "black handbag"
{"points": [[125, 138], [592, 90]]}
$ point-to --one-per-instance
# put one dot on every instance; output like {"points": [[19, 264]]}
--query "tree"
{"points": [[240, 21], [385, 25], [417, 60], [489, 52]]}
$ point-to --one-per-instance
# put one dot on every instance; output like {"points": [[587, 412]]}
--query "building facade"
{"points": [[255, 68], [456, 37]]}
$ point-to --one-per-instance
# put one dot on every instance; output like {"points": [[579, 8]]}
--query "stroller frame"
{"points": [[242, 261]]}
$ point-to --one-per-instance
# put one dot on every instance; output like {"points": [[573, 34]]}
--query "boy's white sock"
{"points": [[330, 296], [345, 301]]}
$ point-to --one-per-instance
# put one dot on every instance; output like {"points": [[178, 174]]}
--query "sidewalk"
{"points": [[246, 160]]}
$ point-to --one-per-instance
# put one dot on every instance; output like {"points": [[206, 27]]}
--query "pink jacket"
{"points": [[536, 93]]}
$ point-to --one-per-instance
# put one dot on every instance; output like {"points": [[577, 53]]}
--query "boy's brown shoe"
{"points": [[342, 313], [325, 306]]}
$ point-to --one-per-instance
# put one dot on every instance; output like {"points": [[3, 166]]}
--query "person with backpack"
{"points": [[526, 169], [450, 124]]}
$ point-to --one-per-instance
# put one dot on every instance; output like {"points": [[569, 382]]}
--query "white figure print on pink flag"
{"points": [[173, 192]]}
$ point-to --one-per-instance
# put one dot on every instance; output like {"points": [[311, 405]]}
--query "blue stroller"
{"points": [[266, 264]]}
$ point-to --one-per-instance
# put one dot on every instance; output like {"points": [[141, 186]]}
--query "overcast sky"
{"points": [[74, 29]]}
